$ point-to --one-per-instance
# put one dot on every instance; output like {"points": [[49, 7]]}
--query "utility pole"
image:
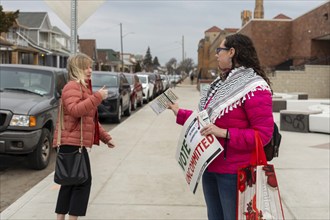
{"points": [[182, 48], [74, 12], [121, 46]]}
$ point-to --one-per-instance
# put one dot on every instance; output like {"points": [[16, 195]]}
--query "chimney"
{"points": [[246, 16], [259, 9]]}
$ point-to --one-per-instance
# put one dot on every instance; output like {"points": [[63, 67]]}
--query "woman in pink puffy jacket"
{"points": [[238, 103]]}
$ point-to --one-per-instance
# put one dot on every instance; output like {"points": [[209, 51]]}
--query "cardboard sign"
{"points": [[194, 151]]}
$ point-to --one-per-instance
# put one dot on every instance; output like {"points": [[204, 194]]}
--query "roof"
{"points": [[4, 42], [213, 29], [25, 49], [128, 62], [57, 30], [107, 55], [231, 30], [281, 16], [31, 19]]}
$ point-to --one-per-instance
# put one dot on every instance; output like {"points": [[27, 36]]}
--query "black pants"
{"points": [[73, 200]]}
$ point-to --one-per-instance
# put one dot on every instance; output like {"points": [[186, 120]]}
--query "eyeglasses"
{"points": [[217, 51]]}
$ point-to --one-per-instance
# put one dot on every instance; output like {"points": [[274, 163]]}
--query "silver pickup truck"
{"points": [[29, 98]]}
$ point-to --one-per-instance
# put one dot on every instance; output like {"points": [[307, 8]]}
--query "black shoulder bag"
{"points": [[272, 148], [70, 168]]}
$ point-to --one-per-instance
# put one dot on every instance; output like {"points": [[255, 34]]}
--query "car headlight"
{"points": [[112, 95], [23, 121]]}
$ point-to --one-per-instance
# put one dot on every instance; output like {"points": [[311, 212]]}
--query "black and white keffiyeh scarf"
{"points": [[226, 95]]}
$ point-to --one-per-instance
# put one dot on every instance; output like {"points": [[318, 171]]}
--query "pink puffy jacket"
{"points": [[78, 102], [254, 114]]}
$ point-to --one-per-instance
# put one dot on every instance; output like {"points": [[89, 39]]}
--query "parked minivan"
{"points": [[148, 86]]}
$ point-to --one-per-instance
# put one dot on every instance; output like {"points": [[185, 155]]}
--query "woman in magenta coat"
{"points": [[238, 103]]}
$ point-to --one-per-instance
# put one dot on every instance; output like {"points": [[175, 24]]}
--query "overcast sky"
{"points": [[161, 24]]}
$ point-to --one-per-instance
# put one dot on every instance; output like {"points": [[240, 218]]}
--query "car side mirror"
{"points": [[58, 94]]}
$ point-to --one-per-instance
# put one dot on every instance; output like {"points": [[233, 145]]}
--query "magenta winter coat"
{"points": [[254, 114]]}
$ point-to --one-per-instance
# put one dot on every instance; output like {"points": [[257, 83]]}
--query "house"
{"points": [[109, 60], [36, 41], [129, 62]]}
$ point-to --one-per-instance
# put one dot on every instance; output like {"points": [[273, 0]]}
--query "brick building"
{"points": [[281, 43], [207, 63], [88, 47]]}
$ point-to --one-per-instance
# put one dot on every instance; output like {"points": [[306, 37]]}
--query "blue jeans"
{"points": [[220, 193]]}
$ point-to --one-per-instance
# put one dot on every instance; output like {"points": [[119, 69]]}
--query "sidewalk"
{"points": [[139, 179]]}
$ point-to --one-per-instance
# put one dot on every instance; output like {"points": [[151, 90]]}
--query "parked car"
{"points": [[158, 85], [148, 87], [165, 81], [29, 99], [118, 101], [175, 79], [136, 90]]}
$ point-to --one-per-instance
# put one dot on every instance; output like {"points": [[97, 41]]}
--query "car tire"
{"points": [[39, 158], [134, 104], [141, 102], [117, 119], [147, 99], [151, 97], [128, 111]]}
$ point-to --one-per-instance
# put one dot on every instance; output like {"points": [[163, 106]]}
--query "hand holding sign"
{"points": [[195, 151]]}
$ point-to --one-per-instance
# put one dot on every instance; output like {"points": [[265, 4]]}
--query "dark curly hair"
{"points": [[245, 54]]}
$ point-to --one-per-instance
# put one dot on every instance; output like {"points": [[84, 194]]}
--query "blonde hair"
{"points": [[77, 64]]}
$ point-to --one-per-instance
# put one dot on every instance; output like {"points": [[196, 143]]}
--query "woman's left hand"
{"points": [[174, 107], [212, 129], [111, 144]]}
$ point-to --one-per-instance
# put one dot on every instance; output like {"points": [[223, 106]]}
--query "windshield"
{"points": [[129, 79], [23, 80], [143, 79], [104, 80]]}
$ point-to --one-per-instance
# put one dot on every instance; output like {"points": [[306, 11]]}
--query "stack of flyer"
{"points": [[160, 104]]}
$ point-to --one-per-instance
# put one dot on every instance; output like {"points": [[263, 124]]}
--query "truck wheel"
{"points": [[39, 158]]}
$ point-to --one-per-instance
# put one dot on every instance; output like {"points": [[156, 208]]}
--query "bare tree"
{"points": [[171, 66], [186, 65]]}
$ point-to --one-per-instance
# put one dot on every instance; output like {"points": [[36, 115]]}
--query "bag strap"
{"points": [[60, 117], [81, 123], [258, 155]]}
